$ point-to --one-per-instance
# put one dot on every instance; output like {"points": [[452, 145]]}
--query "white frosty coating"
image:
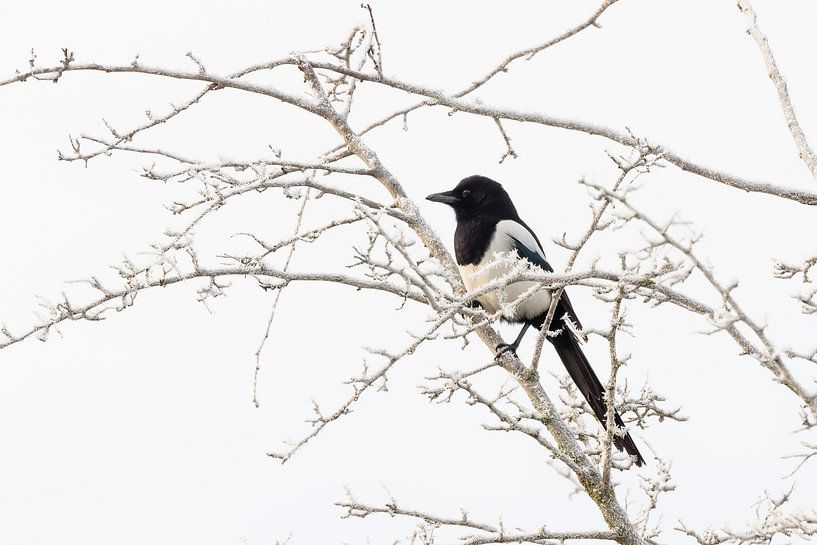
{"points": [[515, 299]]}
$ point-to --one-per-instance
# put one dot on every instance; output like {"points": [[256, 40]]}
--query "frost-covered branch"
{"points": [[803, 148], [808, 292], [611, 429], [773, 518], [107, 298], [367, 380], [297, 236], [729, 313], [478, 532]]}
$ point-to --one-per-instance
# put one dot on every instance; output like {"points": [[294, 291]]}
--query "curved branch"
{"points": [[96, 309], [136, 68]]}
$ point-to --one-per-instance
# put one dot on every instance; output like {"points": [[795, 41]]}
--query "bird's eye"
{"points": [[465, 193]]}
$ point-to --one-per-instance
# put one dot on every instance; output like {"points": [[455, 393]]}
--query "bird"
{"points": [[489, 242]]}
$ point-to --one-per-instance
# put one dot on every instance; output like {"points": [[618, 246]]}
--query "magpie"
{"points": [[490, 235]]}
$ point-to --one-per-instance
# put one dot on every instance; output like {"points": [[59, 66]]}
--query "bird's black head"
{"points": [[478, 196]]}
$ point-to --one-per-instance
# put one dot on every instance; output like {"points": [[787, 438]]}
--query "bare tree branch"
{"points": [[772, 519], [277, 296], [803, 148], [767, 354], [121, 298], [486, 533]]}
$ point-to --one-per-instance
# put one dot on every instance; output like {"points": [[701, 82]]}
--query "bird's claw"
{"points": [[501, 348]]}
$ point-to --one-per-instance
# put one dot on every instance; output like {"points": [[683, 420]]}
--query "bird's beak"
{"points": [[446, 197]]}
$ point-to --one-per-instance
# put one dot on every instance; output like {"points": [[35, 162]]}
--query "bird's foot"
{"points": [[501, 348]]}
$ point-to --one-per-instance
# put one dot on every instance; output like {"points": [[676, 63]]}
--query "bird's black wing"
{"points": [[564, 307]]}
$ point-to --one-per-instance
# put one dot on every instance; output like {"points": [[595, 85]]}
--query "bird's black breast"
{"points": [[472, 238]]}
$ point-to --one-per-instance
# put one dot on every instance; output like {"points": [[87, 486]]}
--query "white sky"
{"points": [[140, 429]]}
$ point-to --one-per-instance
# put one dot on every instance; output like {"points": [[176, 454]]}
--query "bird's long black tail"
{"points": [[589, 385]]}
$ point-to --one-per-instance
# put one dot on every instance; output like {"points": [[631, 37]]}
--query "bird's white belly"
{"points": [[516, 301]]}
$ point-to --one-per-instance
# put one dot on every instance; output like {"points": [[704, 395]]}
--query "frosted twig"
{"points": [[654, 488], [771, 519], [359, 385], [509, 152], [275, 298], [611, 429]]}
